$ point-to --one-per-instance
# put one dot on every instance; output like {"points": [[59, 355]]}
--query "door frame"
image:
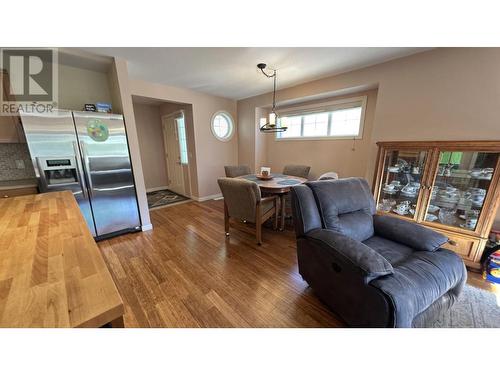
{"points": [[164, 119]]}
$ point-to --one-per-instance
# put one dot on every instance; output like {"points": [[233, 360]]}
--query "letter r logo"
{"points": [[31, 74]]}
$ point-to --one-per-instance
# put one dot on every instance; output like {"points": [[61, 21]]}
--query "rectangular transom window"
{"points": [[333, 120]]}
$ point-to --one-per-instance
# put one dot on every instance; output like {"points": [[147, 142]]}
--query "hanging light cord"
{"points": [[274, 84], [274, 91]]}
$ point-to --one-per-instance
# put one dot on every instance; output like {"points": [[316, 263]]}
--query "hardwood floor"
{"points": [[186, 273], [476, 280]]}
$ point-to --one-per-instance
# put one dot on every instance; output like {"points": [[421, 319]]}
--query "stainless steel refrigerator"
{"points": [[86, 153]]}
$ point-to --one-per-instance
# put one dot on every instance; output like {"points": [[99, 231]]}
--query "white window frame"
{"points": [[325, 107], [232, 126]]}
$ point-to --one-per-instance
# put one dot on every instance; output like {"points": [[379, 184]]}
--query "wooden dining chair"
{"points": [[243, 201], [237, 170], [297, 170]]}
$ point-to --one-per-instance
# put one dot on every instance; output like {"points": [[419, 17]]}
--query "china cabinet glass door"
{"points": [[402, 175], [462, 182]]}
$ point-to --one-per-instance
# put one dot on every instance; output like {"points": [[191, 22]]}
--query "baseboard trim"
{"points": [[150, 190], [207, 198], [147, 227]]}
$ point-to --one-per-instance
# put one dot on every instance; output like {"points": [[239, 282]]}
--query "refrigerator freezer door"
{"points": [[51, 136], [106, 164]]}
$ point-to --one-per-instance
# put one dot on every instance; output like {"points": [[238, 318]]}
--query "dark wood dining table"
{"points": [[280, 185]]}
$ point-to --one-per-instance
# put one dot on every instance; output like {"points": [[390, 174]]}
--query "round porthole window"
{"points": [[222, 126]]}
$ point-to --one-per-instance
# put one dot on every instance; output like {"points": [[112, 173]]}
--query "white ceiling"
{"points": [[232, 72]]}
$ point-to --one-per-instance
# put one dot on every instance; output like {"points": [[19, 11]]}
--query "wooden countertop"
{"points": [[52, 273]]}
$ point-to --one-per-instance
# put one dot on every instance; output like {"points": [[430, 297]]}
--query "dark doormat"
{"points": [[163, 198]]}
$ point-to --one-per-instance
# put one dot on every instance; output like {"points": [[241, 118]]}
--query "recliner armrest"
{"points": [[371, 264], [410, 234]]}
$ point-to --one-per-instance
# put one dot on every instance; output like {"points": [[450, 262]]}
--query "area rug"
{"points": [[164, 198], [475, 308]]}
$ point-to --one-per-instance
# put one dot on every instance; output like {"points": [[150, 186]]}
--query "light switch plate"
{"points": [[20, 164]]}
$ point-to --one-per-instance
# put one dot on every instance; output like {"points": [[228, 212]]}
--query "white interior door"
{"points": [[175, 169]]}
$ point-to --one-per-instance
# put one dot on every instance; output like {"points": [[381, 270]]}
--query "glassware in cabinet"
{"points": [[401, 181], [462, 182]]}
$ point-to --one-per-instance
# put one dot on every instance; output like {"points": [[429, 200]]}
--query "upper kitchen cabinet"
{"points": [[10, 128]]}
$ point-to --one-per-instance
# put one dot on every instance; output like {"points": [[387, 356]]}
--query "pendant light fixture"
{"points": [[271, 126]]}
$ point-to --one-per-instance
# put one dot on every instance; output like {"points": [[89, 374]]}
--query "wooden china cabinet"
{"points": [[451, 187]]}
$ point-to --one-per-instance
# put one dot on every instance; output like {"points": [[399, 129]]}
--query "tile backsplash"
{"points": [[12, 154]]}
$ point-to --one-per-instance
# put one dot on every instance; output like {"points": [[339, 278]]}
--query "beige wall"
{"points": [[149, 131], [114, 90], [121, 80], [78, 86], [208, 154], [261, 139], [211, 154], [327, 155], [441, 94]]}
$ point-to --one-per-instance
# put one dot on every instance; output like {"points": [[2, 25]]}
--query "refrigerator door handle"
{"points": [[86, 168], [81, 176]]}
